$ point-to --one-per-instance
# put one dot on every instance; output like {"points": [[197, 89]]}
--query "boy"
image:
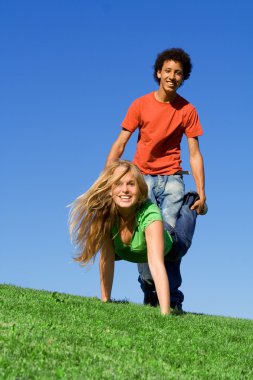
{"points": [[162, 118]]}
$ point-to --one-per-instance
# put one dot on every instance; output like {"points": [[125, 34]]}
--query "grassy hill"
{"points": [[47, 335]]}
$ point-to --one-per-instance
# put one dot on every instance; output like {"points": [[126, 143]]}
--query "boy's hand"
{"points": [[200, 206]]}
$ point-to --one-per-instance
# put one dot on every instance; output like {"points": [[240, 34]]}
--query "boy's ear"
{"points": [[158, 74]]}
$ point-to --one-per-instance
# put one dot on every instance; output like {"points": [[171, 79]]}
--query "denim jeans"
{"points": [[182, 233], [168, 193]]}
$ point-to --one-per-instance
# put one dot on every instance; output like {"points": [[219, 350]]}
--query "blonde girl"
{"points": [[115, 217]]}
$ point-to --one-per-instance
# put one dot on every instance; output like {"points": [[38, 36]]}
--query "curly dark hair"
{"points": [[174, 54]]}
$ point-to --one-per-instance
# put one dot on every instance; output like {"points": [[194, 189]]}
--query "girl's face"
{"points": [[126, 191]]}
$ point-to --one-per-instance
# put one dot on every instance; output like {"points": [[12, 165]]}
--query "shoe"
{"points": [[190, 198], [177, 310], [151, 299]]}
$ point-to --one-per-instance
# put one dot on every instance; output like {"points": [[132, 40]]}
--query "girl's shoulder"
{"points": [[147, 213]]}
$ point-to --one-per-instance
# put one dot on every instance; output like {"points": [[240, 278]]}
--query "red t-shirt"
{"points": [[161, 128]]}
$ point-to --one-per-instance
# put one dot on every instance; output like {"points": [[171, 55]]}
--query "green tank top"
{"points": [[136, 251]]}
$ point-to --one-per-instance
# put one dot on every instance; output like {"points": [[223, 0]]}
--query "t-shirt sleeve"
{"points": [[150, 214], [192, 124], [132, 118]]}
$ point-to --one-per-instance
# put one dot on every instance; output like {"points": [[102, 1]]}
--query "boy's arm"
{"points": [[155, 247], [197, 166], [106, 269], [118, 146]]}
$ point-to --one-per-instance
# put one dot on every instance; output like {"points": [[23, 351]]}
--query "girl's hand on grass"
{"points": [[106, 300]]}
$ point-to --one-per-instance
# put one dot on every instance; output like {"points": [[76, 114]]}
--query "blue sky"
{"points": [[68, 72]]}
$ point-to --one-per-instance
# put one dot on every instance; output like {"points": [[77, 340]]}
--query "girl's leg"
{"points": [[182, 233]]}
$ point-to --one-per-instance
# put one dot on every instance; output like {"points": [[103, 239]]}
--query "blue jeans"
{"points": [[168, 193], [182, 233]]}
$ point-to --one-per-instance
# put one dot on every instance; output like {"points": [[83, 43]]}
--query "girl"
{"points": [[116, 218]]}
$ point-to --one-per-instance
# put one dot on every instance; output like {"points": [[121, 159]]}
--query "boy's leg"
{"points": [[145, 278], [167, 192], [182, 235], [147, 285], [170, 206], [175, 280]]}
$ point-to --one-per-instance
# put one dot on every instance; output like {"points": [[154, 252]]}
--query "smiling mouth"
{"points": [[171, 83]]}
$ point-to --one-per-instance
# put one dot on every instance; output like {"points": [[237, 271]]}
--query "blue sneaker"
{"points": [[151, 299], [177, 310]]}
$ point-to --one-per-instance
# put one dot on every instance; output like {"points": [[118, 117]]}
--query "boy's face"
{"points": [[171, 76]]}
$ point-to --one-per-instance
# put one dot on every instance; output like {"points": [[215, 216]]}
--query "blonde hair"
{"points": [[93, 213]]}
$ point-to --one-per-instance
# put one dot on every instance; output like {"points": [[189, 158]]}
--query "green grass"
{"points": [[48, 335]]}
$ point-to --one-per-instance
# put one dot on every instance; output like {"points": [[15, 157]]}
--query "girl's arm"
{"points": [[106, 269], [155, 246]]}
